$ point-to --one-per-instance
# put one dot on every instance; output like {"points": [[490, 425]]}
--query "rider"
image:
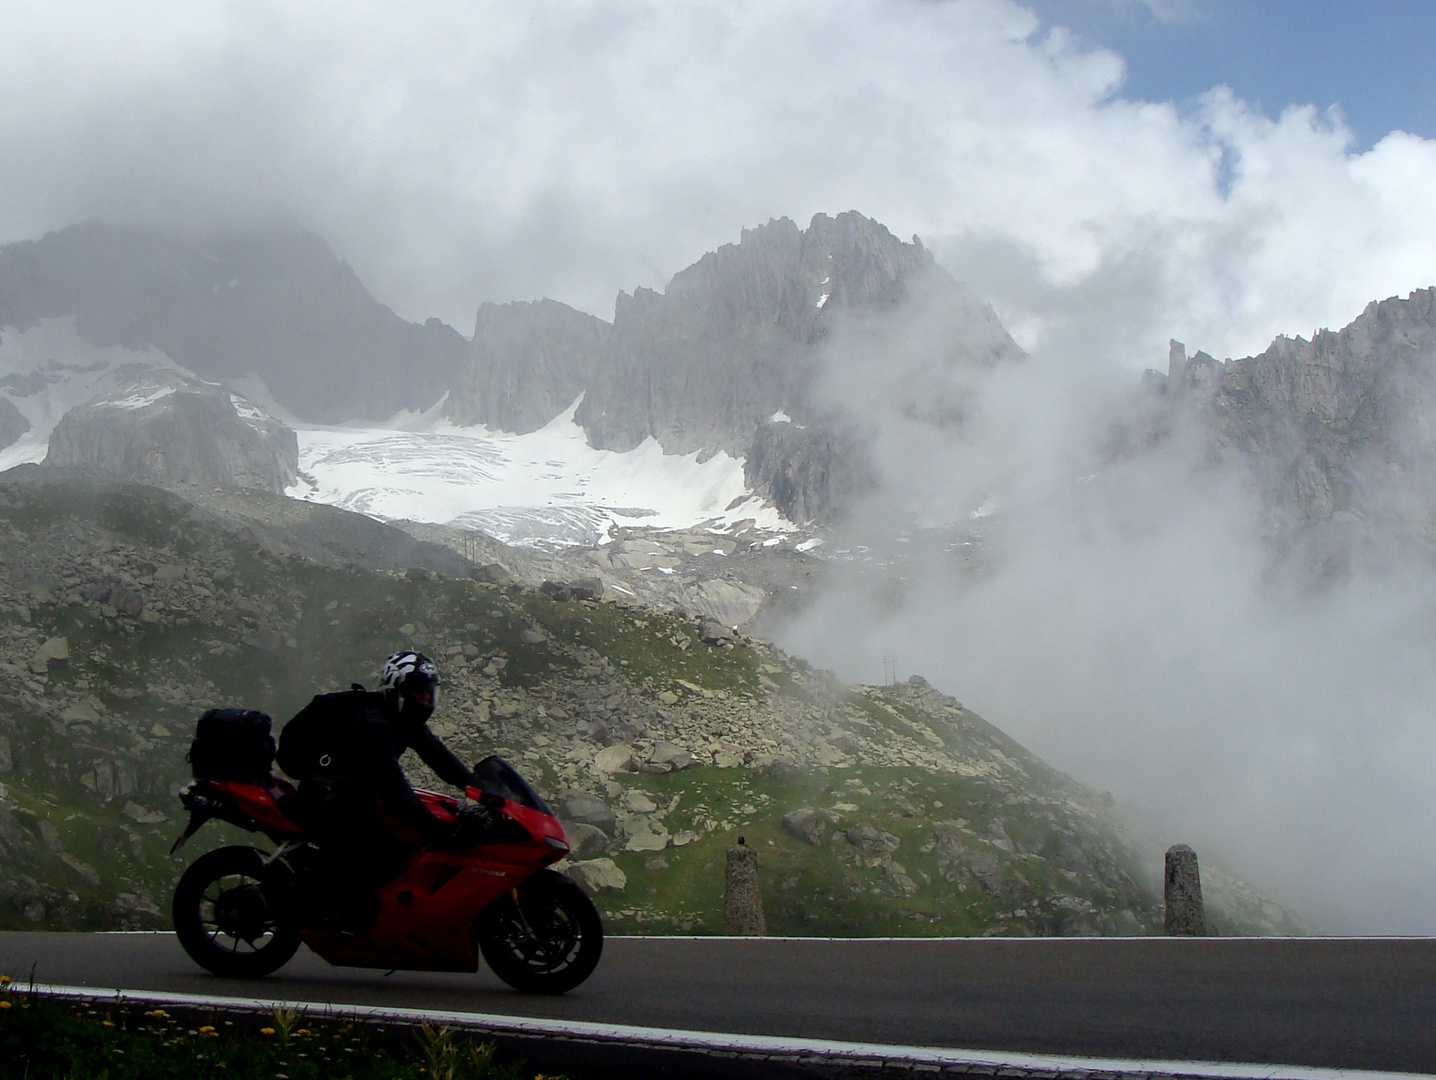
{"points": [[344, 749]]}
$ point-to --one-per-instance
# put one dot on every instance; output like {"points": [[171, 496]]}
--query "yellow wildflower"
{"points": [[5, 1005], [266, 1031]]}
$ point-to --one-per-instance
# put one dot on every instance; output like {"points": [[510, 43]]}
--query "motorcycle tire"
{"points": [[224, 920], [548, 942]]}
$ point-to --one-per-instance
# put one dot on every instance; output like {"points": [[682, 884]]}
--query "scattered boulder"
{"points": [[588, 810], [55, 650], [589, 588], [595, 876], [81, 712], [585, 841], [138, 814], [638, 802], [49, 835], [645, 834], [264, 640], [84, 869], [806, 824], [871, 840], [672, 755], [712, 632], [127, 602], [612, 759]]}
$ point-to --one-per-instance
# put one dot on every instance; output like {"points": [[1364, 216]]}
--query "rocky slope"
{"points": [[126, 610], [165, 427], [731, 355], [12, 423], [528, 362], [1337, 429], [269, 302]]}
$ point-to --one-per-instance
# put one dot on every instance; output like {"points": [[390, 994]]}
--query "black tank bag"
{"points": [[233, 744]]}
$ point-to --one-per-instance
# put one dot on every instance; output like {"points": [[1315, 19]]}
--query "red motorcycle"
{"points": [[242, 913]]}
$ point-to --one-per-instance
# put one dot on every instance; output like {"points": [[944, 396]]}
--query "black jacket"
{"points": [[349, 737]]}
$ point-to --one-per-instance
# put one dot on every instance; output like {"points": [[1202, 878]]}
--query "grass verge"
{"points": [[48, 1038]]}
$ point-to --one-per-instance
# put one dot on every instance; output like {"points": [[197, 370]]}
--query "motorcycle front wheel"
{"points": [[545, 938], [225, 921]]}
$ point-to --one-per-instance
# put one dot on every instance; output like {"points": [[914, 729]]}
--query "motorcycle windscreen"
{"points": [[498, 777]]}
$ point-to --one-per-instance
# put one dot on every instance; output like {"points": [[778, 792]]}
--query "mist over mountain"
{"points": [[273, 302], [731, 356], [1337, 432]]}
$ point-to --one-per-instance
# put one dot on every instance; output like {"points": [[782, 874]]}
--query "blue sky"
{"points": [[1372, 58]]}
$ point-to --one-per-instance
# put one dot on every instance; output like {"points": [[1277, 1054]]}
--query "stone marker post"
{"points": [[1185, 915], [742, 904]]}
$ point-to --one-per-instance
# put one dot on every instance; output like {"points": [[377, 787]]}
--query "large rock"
{"points": [[612, 759], [590, 810], [53, 651], [670, 757], [585, 841], [645, 834], [596, 876], [806, 824], [165, 427]]}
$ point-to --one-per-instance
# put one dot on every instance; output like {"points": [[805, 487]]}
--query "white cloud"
{"points": [[457, 152]]}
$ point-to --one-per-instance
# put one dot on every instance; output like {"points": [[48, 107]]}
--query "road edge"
{"points": [[801, 1056]]}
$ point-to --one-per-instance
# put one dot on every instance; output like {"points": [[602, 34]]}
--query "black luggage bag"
{"points": [[233, 744]]}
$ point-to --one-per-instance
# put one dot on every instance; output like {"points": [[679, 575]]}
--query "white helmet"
{"points": [[410, 685]]}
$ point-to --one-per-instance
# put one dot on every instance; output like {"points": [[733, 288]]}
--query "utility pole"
{"points": [[889, 670]]}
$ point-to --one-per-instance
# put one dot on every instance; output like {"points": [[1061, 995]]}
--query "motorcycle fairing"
{"points": [[427, 914]]}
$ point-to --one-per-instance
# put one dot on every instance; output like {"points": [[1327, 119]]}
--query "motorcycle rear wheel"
{"points": [[224, 920], [547, 943]]}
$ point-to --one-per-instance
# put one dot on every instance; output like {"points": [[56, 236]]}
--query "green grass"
{"points": [[832, 888], [63, 1039]]}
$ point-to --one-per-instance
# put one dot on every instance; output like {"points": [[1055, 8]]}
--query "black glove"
{"points": [[470, 825]]}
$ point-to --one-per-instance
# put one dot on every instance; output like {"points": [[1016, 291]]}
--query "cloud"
{"points": [[459, 152], [1126, 620]]}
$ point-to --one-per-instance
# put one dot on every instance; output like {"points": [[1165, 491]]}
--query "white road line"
{"points": [[755, 1045]]}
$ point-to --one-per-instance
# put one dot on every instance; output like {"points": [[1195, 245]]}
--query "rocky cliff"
{"points": [[12, 423], [165, 428], [1337, 429], [270, 302], [528, 362], [734, 355]]}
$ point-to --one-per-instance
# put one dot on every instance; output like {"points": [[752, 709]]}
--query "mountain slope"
{"points": [[732, 355], [272, 302], [126, 610]]}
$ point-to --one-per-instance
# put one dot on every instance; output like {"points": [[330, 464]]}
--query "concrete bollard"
{"points": [[1185, 915], [742, 904]]}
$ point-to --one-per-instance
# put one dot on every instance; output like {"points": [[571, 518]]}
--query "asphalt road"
{"points": [[1352, 1003]]}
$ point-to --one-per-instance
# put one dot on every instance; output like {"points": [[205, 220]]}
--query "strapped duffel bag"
{"points": [[233, 744]]}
